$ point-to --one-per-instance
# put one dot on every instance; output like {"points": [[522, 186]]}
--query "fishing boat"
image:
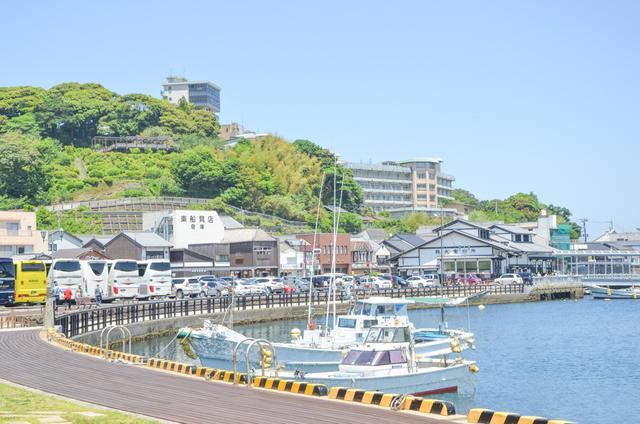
{"points": [[321, 349], [387, 361], [599, 292]]}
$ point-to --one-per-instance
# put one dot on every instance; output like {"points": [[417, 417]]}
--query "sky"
{"points": [[515, 96]]}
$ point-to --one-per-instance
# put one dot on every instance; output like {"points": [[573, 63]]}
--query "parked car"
{"points": [[508, 279], [270, 284], [210, 285], [302, 284], [420, 281], [321, 282], [185, 287], [250, 286], [466, 279], [370, 282], [527, 277]]}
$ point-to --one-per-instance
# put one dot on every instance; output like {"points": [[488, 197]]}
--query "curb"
{"points": [[291, 386], [487, 416]]}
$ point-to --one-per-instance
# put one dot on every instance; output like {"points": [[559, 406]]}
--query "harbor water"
{"points": [[575, 360]]}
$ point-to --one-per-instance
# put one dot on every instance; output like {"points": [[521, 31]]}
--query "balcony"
{"points": [[4, 232]]}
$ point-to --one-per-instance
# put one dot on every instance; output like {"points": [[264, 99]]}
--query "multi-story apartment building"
{"points": [[408, 185], [18, 234], [204, 94], [385, 186], [429, 183]]}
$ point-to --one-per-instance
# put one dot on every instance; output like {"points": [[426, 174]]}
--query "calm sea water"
{"points": [[575, 360]]}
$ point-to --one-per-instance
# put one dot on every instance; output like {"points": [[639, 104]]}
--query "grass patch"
{"points": [[23, 405]]}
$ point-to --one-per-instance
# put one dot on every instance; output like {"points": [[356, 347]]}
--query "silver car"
{"points": [[185, 287]]}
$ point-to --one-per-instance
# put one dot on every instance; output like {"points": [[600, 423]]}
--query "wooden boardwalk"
{"points": [[28, 360]]}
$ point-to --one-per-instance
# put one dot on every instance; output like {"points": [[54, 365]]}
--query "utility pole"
{"points": [[584, 228]]}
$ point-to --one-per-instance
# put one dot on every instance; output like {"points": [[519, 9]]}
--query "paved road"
{"points": [[27, 360]]}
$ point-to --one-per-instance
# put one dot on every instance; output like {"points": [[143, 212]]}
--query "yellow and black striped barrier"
{"points": [[362, 396], [429, 406], [204, 372], [115, 355], [171, 366], [291, 386], [229, 376], [487, 416]]}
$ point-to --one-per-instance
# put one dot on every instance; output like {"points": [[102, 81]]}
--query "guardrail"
{"points": [[79, 322]]}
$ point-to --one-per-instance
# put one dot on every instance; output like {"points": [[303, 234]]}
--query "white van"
{"points": [[123, 279], [155, 278], [65, 273], [94, 273]]}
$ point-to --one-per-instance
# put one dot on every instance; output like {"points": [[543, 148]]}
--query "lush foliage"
{"points": [[72, 113], [409, 223]]}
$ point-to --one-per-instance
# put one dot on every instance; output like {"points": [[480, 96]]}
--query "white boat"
{"points": [[599, 292], [318, 349], [387, 362]]}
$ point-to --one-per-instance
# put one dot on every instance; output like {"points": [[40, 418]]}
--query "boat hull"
{"points": [[216, 351], [455, 378], [607, 293]]}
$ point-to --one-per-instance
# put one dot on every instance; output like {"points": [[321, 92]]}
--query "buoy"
{"points": [[295, 333], [607, 298], [481, 307], [474, 368]]}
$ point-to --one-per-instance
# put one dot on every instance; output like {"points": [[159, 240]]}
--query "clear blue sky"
{"points": [[515, 96]]}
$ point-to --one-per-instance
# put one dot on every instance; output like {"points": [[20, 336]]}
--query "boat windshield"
{"points": [[371, 357], [388, 335], [368, 309]]}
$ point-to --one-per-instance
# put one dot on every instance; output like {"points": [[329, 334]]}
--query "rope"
{"points": [[164, 348], [397, 402]]}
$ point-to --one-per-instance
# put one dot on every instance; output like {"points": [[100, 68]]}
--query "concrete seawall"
{"points": [[152, 328]]}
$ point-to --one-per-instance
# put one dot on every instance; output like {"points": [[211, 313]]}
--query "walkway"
{"points": [[28, 360]]}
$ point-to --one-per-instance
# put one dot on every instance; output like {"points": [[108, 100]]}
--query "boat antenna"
{"points": [[313, 251]]}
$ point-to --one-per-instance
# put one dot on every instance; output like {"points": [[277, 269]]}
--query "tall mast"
{"points": [[313, 252]]}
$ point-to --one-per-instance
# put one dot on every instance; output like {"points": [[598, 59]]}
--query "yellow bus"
{"points": [[31, 282]]}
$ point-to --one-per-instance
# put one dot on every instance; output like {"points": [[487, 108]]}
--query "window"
{"points": [[97, 267], [347, 322], [484, 234], [37, 267], [6, 270], [126, 266], [239, 261], [432, 187], [421, 186], [70, 266], [432, 176], [422, 197], [160, 266], [222, 258], [437, 251], [422, 175]]}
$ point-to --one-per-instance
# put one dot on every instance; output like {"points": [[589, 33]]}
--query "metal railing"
{"points": [[89, 320]]}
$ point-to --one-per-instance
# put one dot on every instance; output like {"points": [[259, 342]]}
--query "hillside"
{"points": [[44, 156]]}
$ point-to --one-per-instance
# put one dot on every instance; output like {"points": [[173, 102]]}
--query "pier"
{"points": [[30, 361]]}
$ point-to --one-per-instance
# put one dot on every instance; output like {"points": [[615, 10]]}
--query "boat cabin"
{"points": [[369, 312]]}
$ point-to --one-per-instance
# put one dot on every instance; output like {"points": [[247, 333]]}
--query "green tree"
{"points": [[130, 115], [465, 197], [22, 173], [199, 173], [71, 112], [17, 101]]}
